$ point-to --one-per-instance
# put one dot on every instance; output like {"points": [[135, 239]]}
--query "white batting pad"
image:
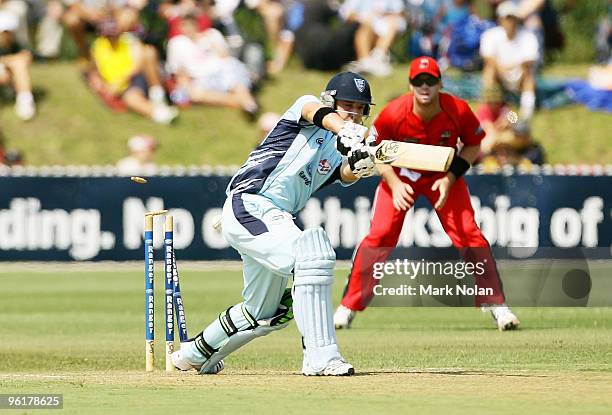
{"points": [[312, 297]]}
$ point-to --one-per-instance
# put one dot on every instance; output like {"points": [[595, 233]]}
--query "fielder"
{"points": [[425, 116], [315, 143]]}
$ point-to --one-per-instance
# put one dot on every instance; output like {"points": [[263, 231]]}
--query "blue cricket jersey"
{"points": [[292, 162]]}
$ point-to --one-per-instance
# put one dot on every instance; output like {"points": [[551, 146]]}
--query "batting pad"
{"points": [[312, 297]]}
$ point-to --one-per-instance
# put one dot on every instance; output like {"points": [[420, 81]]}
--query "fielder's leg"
{"points": [[313, 277], [457, 218], [385, 228]]}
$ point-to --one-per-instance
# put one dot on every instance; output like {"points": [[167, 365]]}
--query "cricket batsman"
{"points": [[425, 116], [316, 143]]}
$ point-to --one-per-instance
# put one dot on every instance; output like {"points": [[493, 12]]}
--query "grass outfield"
{"points": [[73, 127], [80, 332]]}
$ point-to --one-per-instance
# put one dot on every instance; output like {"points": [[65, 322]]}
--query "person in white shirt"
{"points": [[205, 71], [510, 52]]}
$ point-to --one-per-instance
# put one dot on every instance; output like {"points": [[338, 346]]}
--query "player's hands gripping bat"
{"points": [[350, 137], [413, 156], [361, 162]]}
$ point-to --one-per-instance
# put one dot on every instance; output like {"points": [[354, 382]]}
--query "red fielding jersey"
{"points": [[455, 122]]}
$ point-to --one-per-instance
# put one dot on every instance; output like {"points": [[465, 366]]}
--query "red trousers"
{"points": [[457, 218]]}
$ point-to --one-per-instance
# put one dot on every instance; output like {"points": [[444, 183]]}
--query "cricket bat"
{"points": [[413, 156]]}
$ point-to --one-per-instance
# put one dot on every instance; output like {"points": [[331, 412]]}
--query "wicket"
{"points": [[173, 297]]}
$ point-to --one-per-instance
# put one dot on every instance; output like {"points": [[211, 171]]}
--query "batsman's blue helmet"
{"points": [[348, 86]]}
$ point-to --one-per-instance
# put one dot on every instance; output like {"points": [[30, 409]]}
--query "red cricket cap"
{"points": [[424, 64]]}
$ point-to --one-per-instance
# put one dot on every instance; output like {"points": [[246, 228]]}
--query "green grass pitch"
{"points": [[79, 331]]}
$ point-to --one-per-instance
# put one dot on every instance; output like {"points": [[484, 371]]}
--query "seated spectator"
{"points": [[493, 116], [541, 18], [603, 38], [19, 9], [142, 150], [380, 21], [50, 31], [15, 66], [526, 146], [504, 153], [205, 72], [273, 13], [509, 54], [124, 68], [321, 41], [173, 13], [81, 17]]}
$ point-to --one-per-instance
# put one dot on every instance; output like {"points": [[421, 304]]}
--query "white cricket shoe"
{"points": [[343, 317], [336, 367], [163, 114], [25, 109], [181, 360], [504, 318]]}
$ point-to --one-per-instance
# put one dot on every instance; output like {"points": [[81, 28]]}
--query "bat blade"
{"points": [[413, 156]]}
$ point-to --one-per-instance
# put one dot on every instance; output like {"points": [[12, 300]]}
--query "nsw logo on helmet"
{"points": [[360, 84]]}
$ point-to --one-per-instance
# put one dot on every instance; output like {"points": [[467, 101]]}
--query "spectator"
{"points": [[273, 13], [516, 147], [50, 31], [380, 21], [603, 38], [321, 41], [19, 9], [15, 66], [142, 150], [81, 17], [541, 18], [509, 53], [173, 14], [504, 153], [126, 69], [526, 146], [205, 72], [493, 116]]}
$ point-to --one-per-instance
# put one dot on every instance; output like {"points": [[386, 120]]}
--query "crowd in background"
{"points": [[155, 57]]}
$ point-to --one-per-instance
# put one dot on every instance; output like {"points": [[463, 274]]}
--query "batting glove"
{"points": [[350, 137], [361, 162]]}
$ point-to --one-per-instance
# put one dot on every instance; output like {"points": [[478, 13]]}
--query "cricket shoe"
{"points": [[336, 367], [183, 359], [504, 318], [343, 317]]}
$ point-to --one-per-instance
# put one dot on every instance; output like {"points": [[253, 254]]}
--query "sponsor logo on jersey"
{"points": [[324, 167], [360, 84], [303, 176], [319, 140], [309, 169], [445, 134]]}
